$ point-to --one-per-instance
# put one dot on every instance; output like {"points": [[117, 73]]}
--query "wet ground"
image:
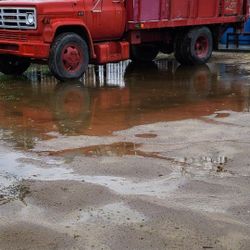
{"points": [[130, 157]]}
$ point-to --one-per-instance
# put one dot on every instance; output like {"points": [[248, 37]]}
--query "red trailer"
{"points": [[70, 34]]}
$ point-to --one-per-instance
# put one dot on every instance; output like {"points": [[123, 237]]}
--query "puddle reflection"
{"points": [[115, 97]]}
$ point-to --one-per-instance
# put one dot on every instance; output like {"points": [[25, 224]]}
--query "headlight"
{"points": [[30, 20]]}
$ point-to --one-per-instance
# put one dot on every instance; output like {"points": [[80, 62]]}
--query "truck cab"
{"points": [[30, 29], [105, 19]]}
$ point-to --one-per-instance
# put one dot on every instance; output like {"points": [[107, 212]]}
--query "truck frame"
{"points": [[70, 34]]}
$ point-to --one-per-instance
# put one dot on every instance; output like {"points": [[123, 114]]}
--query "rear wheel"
{"points": [[144, 52], [194, 47], [69, 57], [13, 65]]}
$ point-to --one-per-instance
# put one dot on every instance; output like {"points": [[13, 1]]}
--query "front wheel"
{"points": [[13, 65], [69, 57]]}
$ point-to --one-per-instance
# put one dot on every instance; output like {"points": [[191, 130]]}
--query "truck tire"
{"points": [[69, 57], [144, 52], [195, 47], [13, 65]]}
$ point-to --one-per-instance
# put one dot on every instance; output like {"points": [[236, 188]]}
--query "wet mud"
{"points": [[152, 156]]}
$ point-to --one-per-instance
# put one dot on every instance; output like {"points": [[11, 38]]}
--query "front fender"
{"points": [[51, 30]]}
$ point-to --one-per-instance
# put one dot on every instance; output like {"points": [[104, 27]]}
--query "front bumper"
{"points": [[23, 45]]}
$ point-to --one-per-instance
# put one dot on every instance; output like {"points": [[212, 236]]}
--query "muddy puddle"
{"points": [[115, 97], [109, 99], [16, 167]]}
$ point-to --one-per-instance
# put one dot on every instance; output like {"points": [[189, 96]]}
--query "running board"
{"points": [[111, 52]]}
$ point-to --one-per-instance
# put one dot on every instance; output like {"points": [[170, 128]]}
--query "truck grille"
{"points": [[16, 18]]}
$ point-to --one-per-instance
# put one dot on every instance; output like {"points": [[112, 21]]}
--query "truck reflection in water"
{"points": [[115, 97]]}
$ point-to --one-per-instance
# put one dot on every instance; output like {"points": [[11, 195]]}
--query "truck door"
{"points": [[107, 19]]}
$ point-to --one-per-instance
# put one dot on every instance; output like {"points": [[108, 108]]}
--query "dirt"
{"points": [[130, 157]]}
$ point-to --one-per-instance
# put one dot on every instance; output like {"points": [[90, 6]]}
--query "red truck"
{"points": [[70, 34]]}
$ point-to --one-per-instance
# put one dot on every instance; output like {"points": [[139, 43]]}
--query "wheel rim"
{"points": [[202, 46], [72, 57]]}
